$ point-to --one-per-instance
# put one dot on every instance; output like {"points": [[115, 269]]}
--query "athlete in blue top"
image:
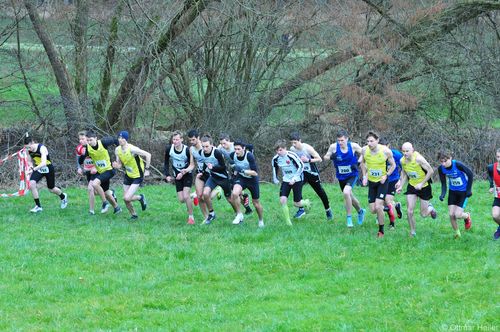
{"points": [[460, 179], [344, 159]]}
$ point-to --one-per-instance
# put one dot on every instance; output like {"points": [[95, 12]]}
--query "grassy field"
{"points": [[65, 270]]}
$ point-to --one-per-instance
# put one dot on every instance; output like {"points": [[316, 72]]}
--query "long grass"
{"points": [[66, 270]]}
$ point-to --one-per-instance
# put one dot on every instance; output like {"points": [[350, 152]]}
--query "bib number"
{"points": [[456, 182], [412, 175], [101, 163], [43, 170], [345, 169], [376, 173], [129, 169]]}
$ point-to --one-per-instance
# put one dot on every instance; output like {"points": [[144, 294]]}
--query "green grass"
{"points": [[64, 270]]}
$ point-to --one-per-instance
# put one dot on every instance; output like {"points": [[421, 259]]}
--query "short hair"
{"points": [[281, 143], [193, 133], [240, 143], [342, 133], [383, 141], [372, 134], [175, 133], [90, 133], [28, 139], [294, 136], [82, 133], [224, 136], [444, 154], [206, 138]]}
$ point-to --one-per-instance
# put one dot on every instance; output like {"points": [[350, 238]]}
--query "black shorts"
{"points": [[90, 176], [311, 178], [391, 188], [213, 182], [457, 198], [297, 190], [128, 181], [496, 202], [185, 181], [348, 182], [424, 194], [252, 184], [377, 190], [105, 177], [46, 172]]}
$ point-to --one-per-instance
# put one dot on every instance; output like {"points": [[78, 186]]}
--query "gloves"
{"points": [[441, 198]]}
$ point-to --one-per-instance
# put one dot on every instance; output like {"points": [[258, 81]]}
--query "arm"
{"points": [[117, 163], [166, 161], [275, 170], [315, 157], [490, 176], [401, 182], [220, 158], [43, 159], [253, 166], [81, 158], [442, 178], [147, 156], [331, 151], [470, 176], [392, 164], [428, 169], [362, 165], [300, 167], [108, 141]]}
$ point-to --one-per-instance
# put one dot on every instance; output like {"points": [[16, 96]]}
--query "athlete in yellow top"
{"points": [[374, 158], [417, 171], [97, 151], [129, 156], [41, 166]]}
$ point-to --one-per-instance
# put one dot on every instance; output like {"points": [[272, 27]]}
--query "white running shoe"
{"points": [[64, 201], [261, 223], [238, 219], [36, 209]]}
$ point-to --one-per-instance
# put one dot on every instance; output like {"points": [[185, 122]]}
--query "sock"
{"points": [[391, 223], [457, 232], [381, 228], [62, 196], [390, 212], [349, 219], [190, 216], [37, 202], [211, 212], [286, 213]]}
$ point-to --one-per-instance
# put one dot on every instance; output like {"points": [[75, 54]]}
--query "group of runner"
{"points": [[231, 168]]}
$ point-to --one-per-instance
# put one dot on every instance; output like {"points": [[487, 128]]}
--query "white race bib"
{"points": [[345, 169], [376, 173], [43, 170], [101, 163], [412, 175], [456, 182]]}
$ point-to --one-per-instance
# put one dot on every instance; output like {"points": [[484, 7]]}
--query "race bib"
{"points": [[456, 182], [179, 165], [101, 163], [129, 169], [307, 167], [412, 175], [287, 171], [345, 169], [43, 170], [376, 173]]}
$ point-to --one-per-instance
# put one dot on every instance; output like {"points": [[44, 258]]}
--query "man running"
{"points": [[417, 171], [89, 171], [214, 164], [374, 159], [41, 167], [390, 205], [97, 150], [344, 159], [129, 156], [292, 179], [460, 179], [247, 177], [310, 158], [201, 176], [182, 161]]}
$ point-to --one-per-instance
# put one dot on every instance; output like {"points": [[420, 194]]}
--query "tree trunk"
{"points": [[67, 91]]}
